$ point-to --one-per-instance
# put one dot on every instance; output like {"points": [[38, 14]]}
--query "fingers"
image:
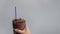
{"points": [[20, 31], [27, 29]]}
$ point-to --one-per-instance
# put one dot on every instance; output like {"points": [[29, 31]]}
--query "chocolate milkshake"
{"points": [[18, 24]]}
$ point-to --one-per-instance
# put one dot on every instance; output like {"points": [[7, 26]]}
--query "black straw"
{"points": [[15, 13]]}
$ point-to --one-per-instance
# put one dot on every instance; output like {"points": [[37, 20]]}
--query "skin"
{"points": [[25, 31]]}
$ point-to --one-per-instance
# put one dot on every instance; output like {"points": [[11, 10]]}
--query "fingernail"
{"points": [[15, 29]]}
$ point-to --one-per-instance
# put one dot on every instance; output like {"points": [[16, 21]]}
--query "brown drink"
{"points": [[18, 24]]}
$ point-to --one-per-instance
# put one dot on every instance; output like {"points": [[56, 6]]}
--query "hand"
{"points": [[25, 31]]}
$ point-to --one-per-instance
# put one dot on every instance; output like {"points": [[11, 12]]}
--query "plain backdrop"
{"points": [[43, 16]]}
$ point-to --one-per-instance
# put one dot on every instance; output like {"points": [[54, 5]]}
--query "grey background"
{"points": [[43, 16]]}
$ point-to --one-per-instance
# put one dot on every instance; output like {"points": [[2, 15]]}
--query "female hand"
{"points": [[25, 31]]}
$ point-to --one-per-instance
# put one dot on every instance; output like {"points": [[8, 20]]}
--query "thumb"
{"points": [[20, 31]]}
